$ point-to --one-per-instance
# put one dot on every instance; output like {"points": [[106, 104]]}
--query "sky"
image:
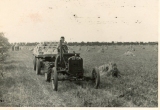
{"points": [[79, 20]]}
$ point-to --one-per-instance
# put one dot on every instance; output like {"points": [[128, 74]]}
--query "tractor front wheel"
{"points": [[38, 67], [96, 77], [55, 79]]}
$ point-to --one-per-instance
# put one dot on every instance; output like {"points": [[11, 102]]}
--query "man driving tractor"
{"points": [[64, 45]]}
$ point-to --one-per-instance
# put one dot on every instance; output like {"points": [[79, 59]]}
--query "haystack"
{"points": [[93, 47], [79, 48], [101, 50], [130, 48], [128, 53], [156, 49], [106, 47], [70, 48], [133, 49], [143, 47], [115, 47], [31, 49], [87, 49]]}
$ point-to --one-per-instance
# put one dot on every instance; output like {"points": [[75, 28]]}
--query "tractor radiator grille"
{"points": [[75, 65]]}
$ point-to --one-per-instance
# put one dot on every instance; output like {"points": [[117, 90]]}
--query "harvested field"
{"points": [[138, 86]]}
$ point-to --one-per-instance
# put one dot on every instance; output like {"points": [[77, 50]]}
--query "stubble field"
{"points": [[138, 86]]}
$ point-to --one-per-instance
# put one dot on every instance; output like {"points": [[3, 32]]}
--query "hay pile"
{"points": [[106, 47], [101, 50], [30, 49], [70, 48], [131, 48], [115, 47], [93, 47], [79, 48], [156, 49], [88, 50], [128, 53]]}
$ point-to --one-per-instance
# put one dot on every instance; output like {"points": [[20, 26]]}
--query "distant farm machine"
{"points": [[60, 61]]}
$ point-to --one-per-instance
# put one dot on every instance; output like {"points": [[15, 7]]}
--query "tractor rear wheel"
{"points": [[48, 73], [34, 63], [96, 77], [55, 80], [38, 66]]}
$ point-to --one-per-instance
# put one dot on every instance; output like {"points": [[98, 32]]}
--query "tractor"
{"points": [[56, 60], [70, 65]]}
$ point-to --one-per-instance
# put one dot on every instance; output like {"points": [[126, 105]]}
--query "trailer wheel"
{"points": [[34, 63], [55, 80], [38, 67], [48, 73], [96, 77]]}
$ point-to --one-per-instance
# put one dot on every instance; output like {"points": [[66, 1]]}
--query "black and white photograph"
{"points": [[79, 53]]}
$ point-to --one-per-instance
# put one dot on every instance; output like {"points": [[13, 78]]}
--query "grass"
{"points": [[138, 86]]}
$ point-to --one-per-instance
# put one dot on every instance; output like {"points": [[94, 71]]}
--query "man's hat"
{"points": [[62, 37]]}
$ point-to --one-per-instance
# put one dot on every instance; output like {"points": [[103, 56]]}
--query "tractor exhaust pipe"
{"points": [[61, 51]]}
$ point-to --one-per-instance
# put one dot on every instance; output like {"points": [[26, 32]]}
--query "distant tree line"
{"points": [[110, 43], [92, 43]]}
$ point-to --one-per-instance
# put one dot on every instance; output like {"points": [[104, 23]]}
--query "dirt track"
{"points": [[24, 87], [20, 85]]}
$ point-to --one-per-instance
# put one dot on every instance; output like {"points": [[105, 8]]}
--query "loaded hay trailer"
{"points": [[44, 57]]}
